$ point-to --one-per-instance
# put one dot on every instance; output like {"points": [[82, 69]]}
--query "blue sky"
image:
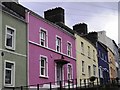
{"points": [[98, 15]]}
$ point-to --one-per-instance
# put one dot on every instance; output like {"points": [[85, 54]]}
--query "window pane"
{"points": [[58, 41], [82, 47], [8, 65], [43, 38], [9, 37], [42, 63], [42, 71], [9, 40], [94, 70], [57, 48], [42, 35], [69, 49], [9, 31], [69, 72], [69, 68], [43, 66], [101, 73], [82, 66], [89, 71], [69, 76], [88, 51], [58, 44], [8, 77], [42, 42]]}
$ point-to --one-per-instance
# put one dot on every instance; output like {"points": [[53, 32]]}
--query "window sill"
{"points": [[46, 77], [83, 54], [83, 73], [45, 46], [10, 85], [69, 56], [10, 48], [89, 57], [94, 60], [70, 80]]}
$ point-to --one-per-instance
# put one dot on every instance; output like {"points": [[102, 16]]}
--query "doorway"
{"points": [[59, 73]]}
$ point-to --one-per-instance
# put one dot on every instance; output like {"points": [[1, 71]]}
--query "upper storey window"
{"points": [[82, 47], [69, 49], [10, 38], [43, 38], [88, 51], [58, 44]]}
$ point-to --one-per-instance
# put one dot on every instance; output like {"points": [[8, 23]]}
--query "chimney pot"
{"points": [[55, 15], [81, 28]]}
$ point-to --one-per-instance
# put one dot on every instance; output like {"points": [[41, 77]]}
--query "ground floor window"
{"points": [[9, 71], [70, 70], [43, 66], [100, 72]]}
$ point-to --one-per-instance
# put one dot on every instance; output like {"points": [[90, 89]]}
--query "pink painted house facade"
{"points": [[51, 51]]}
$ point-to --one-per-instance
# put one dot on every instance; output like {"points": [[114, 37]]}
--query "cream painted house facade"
{"points": [[86, 56]]}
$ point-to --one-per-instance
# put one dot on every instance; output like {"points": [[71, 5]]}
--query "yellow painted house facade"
{"points": [[86, 56], [112, 67]]}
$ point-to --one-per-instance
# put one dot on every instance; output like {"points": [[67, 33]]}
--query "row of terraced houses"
{"points": [[35, 50]]}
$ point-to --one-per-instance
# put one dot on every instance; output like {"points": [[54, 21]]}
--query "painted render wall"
{"points": [[0, 47], [0, 27], [21, 32], [109, 43], [84, 57], [19, 54], [52, 31], [117, 60], [112, 67], [103, 63], [35, 50], [20, 68], [34, 59]]}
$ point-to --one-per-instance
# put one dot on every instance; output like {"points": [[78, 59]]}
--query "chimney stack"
{"points": [[55, 15], [80, 28]]}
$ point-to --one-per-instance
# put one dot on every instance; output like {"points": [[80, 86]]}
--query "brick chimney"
{"points": [[55, 15], [80, 28]]}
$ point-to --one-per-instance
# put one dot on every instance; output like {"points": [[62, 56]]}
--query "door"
{"points": [[59, 73]]}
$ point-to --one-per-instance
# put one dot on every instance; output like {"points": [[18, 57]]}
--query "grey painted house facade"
{"points": [[113, 46], [13, 49]]}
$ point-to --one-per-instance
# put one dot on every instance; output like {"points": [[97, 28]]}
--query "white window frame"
{"points": [[46, 65], [69, 43], [93, 54], [71, 71], [83, 66], [82, 47], [60, 44], [46, 37], [89, 71], [88, 51], [102, 56], [13, 40], [105, 58], [13, 74], [94, 70], [100, 72]]}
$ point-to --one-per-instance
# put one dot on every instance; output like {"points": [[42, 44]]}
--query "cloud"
{"points": [[107, 21], [98, 16]]}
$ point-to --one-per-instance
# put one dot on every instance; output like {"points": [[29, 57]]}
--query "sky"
{"points": [[98, 15]]}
